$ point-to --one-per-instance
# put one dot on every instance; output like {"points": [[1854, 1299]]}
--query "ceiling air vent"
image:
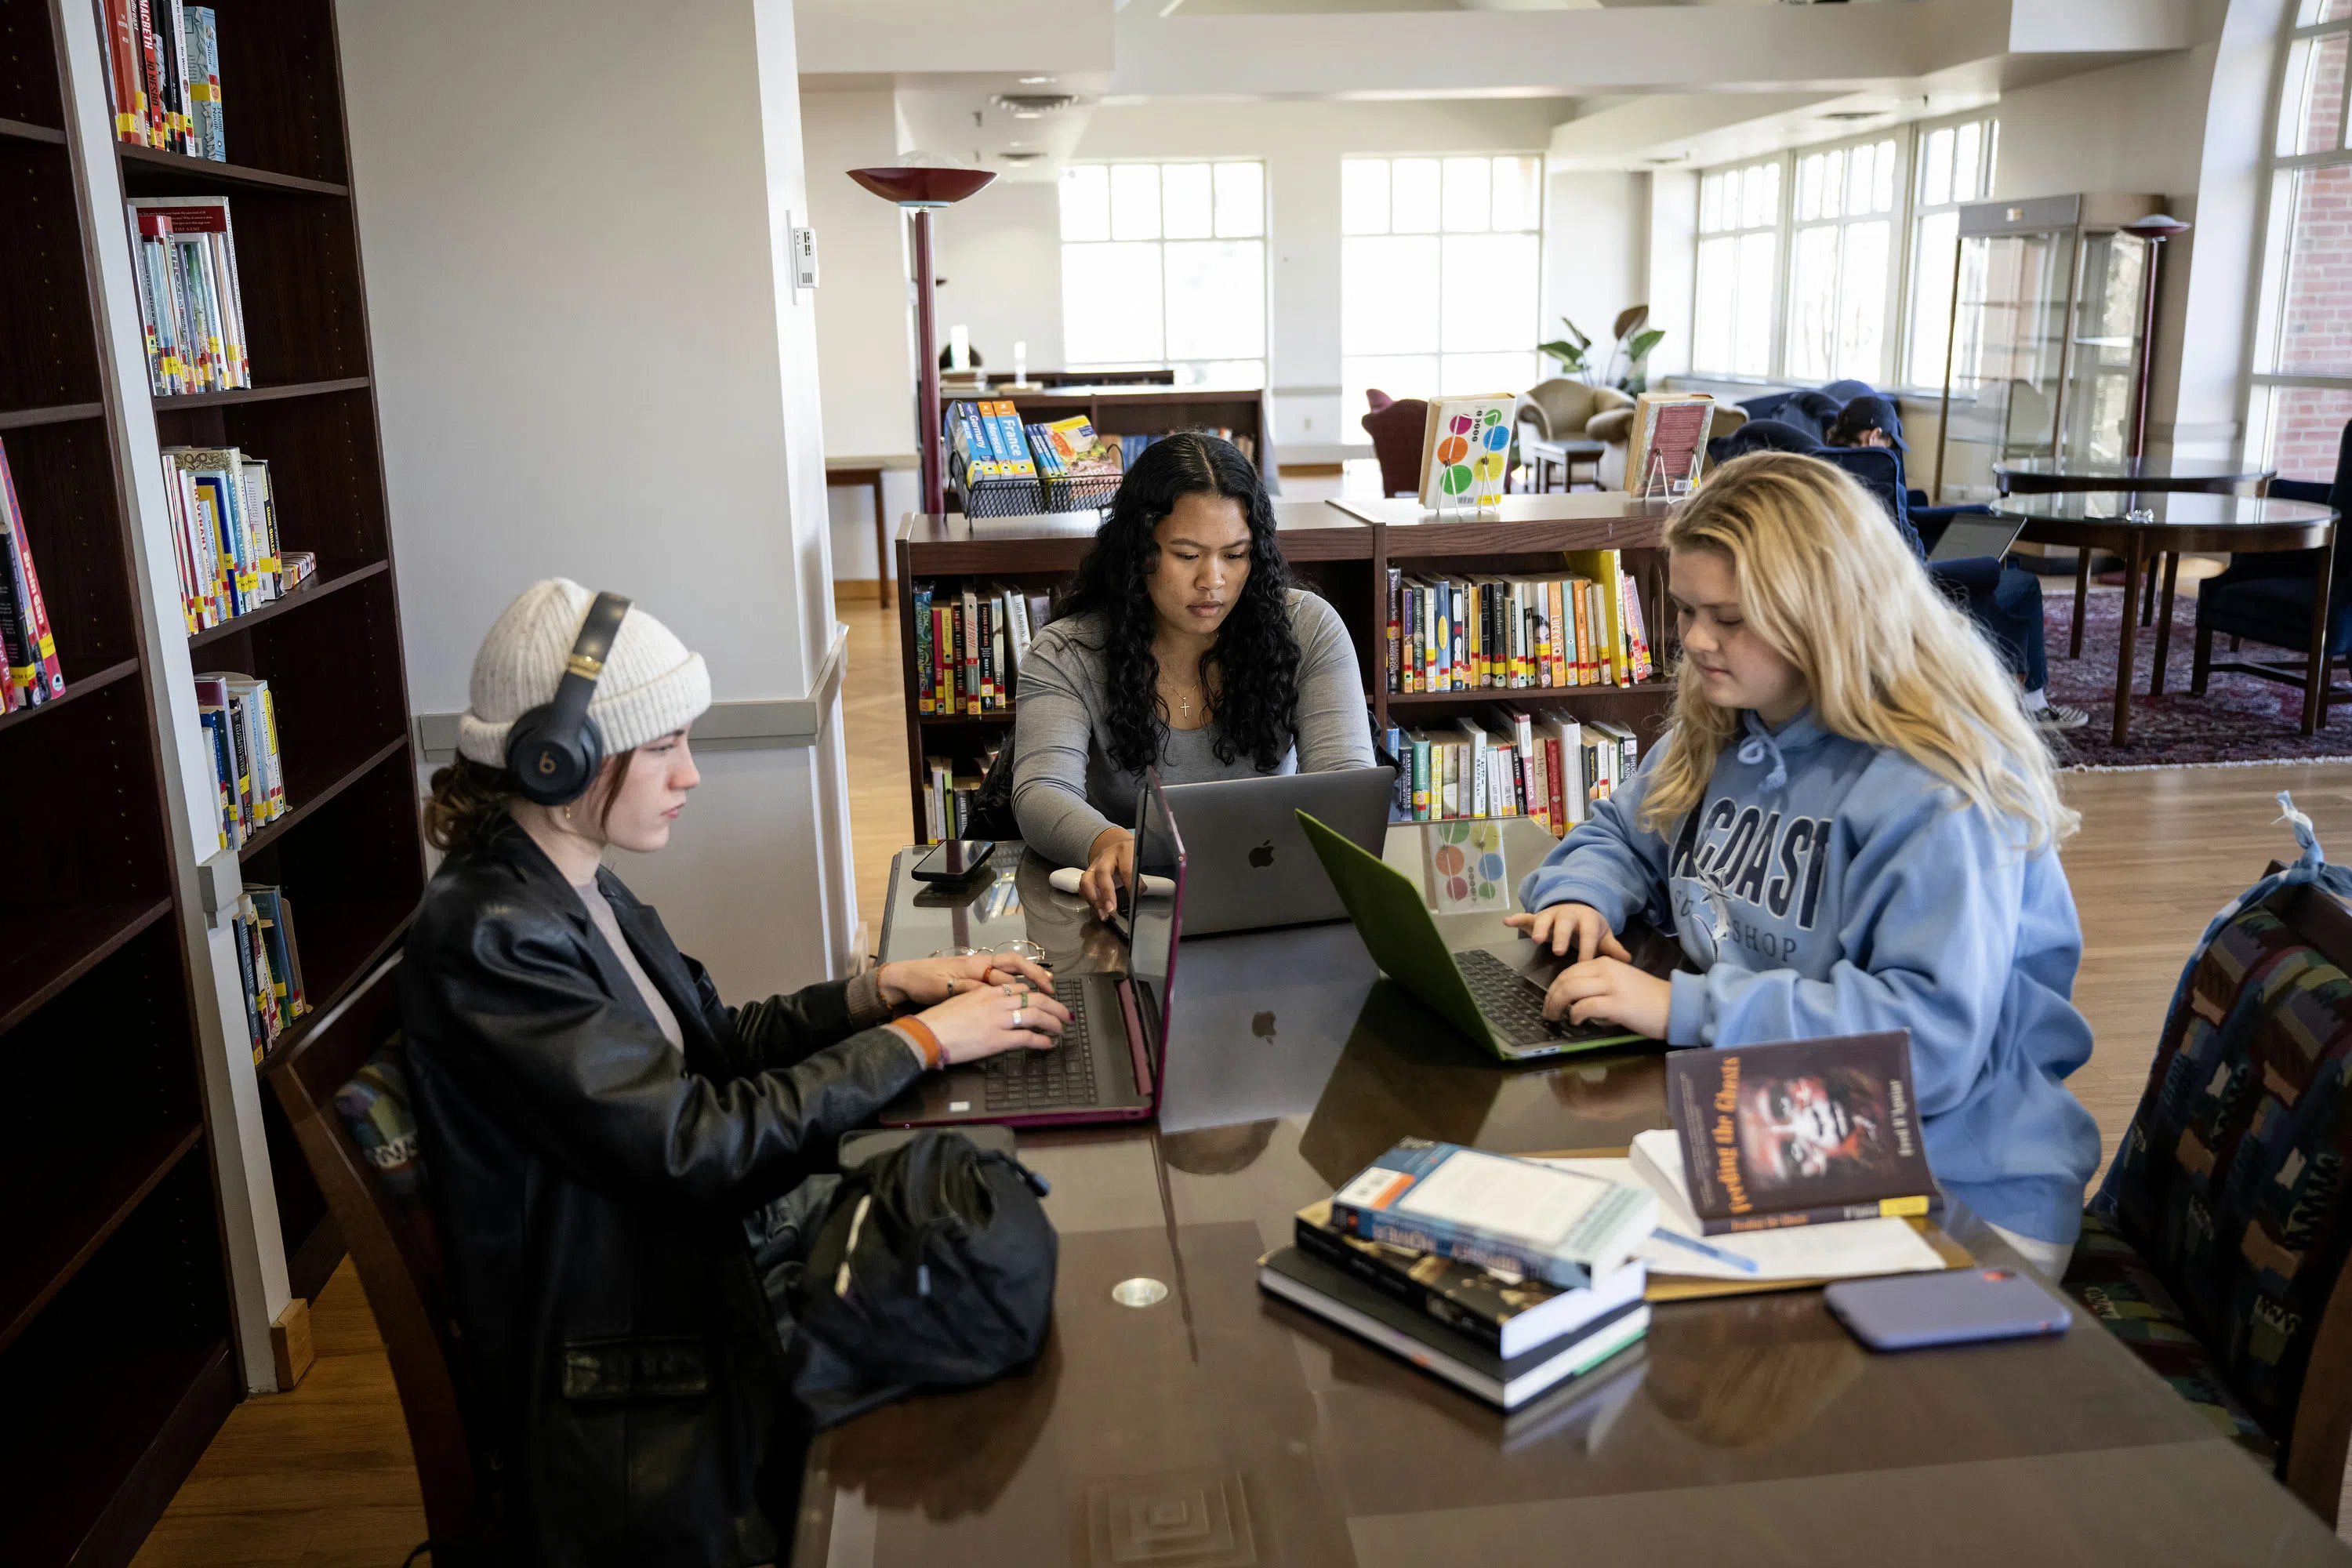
{"points": [[1854, 114], [1034, 103], [1021, 157]]}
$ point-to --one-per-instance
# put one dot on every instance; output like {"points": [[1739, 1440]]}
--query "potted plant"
{"points": [[1633, 339]]}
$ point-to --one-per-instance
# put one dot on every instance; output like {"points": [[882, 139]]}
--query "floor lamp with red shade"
{"points": [[922, 183]]}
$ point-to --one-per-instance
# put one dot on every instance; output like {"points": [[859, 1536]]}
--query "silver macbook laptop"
{"points": [[1248, 865]]}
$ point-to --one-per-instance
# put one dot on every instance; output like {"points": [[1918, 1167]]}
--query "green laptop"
{"points": [[1474, 990]]}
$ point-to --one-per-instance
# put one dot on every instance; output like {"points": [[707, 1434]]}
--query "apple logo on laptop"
{"points": [[1262, 856], [1262, 1026]]}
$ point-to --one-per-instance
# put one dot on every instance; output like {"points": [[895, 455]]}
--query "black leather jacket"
{"points": [[591, 1182]]}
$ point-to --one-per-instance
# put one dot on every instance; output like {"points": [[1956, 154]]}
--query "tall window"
{"points": [[1841, 262], [1738, 270], [1165, 263], [1439, 273], [1954, 164], [2303, 343]]}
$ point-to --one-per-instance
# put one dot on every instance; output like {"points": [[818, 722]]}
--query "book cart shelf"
{"points": [[1341, 552], [1138, 410], [129, 1270]]}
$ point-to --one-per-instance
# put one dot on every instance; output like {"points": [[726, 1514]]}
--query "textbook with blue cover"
{"points": [[1515, 1215]]}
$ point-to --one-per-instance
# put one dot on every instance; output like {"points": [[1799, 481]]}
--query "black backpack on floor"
{"points": [[934, 1269]]}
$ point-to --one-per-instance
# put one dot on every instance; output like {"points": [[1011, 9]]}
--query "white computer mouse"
{"points": [[1065, 881]]}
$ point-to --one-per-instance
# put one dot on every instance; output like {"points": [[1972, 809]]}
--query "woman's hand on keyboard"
{"points": [[1614, 991], [984, 1021], [921, 982], [1571, 926]]}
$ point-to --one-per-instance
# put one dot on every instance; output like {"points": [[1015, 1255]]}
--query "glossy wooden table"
{"points": [[2165, 525], [2153, 475], [2156, 476], [1219, 1427]]}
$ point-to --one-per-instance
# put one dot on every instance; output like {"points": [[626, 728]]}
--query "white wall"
{"points": [[865, 334], [1596, 251], [1001, 255], [680, 461]]}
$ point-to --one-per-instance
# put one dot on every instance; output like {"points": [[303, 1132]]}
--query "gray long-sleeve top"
{"points": [[1066, 790]]}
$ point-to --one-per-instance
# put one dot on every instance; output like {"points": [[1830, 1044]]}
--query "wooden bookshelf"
{"points": [[1341, 551], [121, 1349]]}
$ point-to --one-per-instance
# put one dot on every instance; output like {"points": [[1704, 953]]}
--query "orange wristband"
{"points": [[934, 1055]]}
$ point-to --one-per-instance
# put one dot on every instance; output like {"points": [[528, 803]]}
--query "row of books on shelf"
{"points": [[1582, 627], [225, 534], [269, 963], [162, 76], [28, 648], [991, 442], [1545, 765], [949, 787], [969, 645], [240, 719], [1510, 1276], [183, 252]]}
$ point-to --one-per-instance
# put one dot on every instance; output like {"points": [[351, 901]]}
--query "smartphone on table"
{"points": [[954, 860], [1952, 1307]]}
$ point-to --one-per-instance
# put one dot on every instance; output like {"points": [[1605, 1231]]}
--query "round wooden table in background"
{"points": [[2165, 525], [2160, 476]]}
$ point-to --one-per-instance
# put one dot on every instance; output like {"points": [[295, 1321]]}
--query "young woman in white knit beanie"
{"points": [[620, 1162]]}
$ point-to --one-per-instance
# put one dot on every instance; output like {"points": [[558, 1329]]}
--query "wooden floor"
{"points": [[321, 1475]]}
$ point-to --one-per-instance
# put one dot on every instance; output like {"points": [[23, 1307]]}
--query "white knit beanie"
{"points": [[650, 686]]}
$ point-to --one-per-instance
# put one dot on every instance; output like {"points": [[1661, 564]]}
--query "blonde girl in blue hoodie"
{"points": [[1853, 826]]}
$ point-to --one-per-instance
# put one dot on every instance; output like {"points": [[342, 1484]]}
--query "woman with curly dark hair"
{"points": [[1184, 647]]}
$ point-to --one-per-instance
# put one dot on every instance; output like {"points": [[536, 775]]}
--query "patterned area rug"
{"points": [[2239, 719]]}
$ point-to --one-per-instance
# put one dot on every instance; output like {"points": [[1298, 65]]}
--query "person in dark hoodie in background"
{"points": [[2003, 600]]}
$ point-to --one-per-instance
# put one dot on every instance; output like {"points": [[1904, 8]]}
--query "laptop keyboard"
{"points": [[1021, 1079], [1512, 1003]]}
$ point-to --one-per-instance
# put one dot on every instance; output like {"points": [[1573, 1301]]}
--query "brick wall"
{"points": [[2316, 317]]}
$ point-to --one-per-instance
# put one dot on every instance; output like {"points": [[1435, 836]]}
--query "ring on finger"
{"points": [[1017, 1017]]}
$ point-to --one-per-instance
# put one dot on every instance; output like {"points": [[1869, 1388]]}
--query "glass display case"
{"points": [[2046, 337]]}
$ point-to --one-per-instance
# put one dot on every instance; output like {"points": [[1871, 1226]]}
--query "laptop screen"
{"points": [[1972, 538], [1154, 910]]}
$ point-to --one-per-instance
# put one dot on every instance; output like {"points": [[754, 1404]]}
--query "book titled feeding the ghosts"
{"points": [[1802, 1133]]}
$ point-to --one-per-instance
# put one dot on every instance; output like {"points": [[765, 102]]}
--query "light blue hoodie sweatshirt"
{"points": [[1832, 888]]}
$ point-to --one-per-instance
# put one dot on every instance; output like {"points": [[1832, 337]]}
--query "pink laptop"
{"points": [[1107, 1066]]}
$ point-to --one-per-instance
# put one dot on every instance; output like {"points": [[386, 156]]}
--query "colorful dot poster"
{"points": [[1465, 872], [1465, 449]]}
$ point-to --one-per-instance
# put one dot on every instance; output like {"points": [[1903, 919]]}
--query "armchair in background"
{"points": [[1396, 426]]}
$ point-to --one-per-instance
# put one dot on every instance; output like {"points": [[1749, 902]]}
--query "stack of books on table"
{"points": [[1506, 1277], [1787, 1165]]}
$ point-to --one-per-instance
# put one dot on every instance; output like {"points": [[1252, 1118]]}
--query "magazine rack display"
{"points": [[154, 1209]]}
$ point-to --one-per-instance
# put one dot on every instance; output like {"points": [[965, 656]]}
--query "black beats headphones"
{"points": [[555, 750]]}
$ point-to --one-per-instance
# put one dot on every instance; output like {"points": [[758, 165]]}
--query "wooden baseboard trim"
{"points": [[857, 591], [1310, 470], [289, 1344]]}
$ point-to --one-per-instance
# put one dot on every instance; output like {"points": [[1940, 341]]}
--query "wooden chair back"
{"points": [[395, 1247]]}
